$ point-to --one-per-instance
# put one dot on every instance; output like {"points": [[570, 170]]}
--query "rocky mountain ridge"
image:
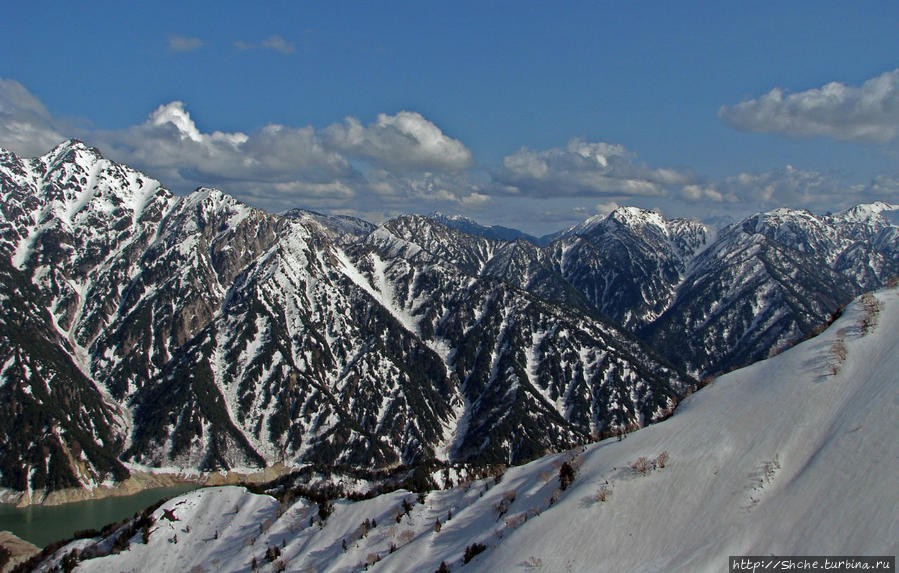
{"points": [[197, 333], [200, 334]]}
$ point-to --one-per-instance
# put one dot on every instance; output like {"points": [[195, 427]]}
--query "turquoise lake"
{"points": [[44, 524]]}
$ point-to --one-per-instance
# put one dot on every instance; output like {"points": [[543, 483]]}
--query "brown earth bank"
{"points": [[140, 481], [18, 550]]}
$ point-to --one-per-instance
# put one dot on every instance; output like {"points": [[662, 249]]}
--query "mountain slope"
{"points": [[791, 456], [470, 227], [59, 430], [709, 301], [769, 281], [225, 337], [204, 335], [525, 366]]}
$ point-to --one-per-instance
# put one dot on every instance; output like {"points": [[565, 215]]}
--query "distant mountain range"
{"points": [[143, 329]]}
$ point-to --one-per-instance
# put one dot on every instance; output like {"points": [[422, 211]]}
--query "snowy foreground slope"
{"points": [[797, 454]]}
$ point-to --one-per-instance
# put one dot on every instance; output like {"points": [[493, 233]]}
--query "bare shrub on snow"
{"points": [[516, 520], [837, 354], [406, 536], [508, 499], [872, 307], [603, 493], [644, 465], [641, 465], [769, 470]]}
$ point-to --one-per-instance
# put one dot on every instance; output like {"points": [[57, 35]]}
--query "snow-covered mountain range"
{"points": [[794, 455], [147, 330]]}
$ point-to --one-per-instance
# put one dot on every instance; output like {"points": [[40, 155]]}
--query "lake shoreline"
{"points": [[19, 549], [140, 481]]}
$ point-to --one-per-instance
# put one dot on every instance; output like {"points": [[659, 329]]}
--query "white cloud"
{"points": [[698, 192], [448, 189], [280, 167], [171, 147], [276, 167], [26, 126], [787, 187], [279, 44], [791, 187], [184, 44], [273, 42], [404, 163], [405, 141], [584, 169], [883, 186], [867, 113], [606, 208]]}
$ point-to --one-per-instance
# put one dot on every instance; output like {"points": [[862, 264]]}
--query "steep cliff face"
{"points": [[709, 300], [771, 280], [203, 334], [145, 329], [59, 430]]}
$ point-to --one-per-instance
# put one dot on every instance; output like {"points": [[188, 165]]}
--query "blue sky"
{"points": [[531, 115]]}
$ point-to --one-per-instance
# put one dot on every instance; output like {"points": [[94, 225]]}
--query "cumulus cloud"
{"points": [[405, 141], [404, 163], [184, 44], [868, 113], [787, 187], [287, 161], [700, 192], [884, 187], [791, 187], [428, 187], [276, 167], [585, 169], [26, 126], [281, 167]]}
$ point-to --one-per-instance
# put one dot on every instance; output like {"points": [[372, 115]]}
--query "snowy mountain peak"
{"points": [[794, 226], [439, 216], [339, 227], [867, 212], [74, 146], [633, 219], [637, 217], [212, 198]]}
